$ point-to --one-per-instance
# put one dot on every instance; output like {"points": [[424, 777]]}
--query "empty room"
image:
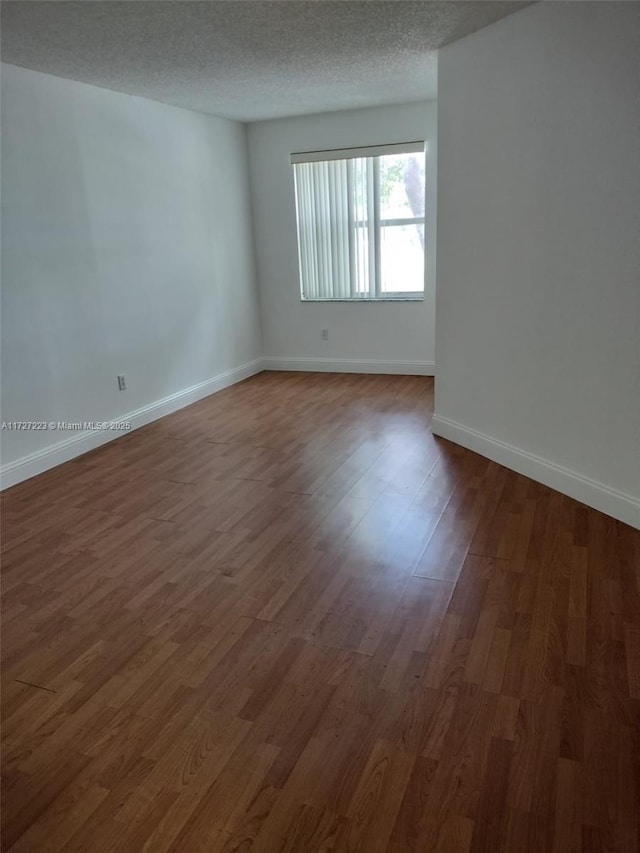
{"points": [[320, 446]]}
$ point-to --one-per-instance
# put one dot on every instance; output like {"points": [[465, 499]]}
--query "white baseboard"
{"points": [[350, 365], [81, 442], [622, 506]]}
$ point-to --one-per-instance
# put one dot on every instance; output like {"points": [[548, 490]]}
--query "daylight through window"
{"points": [[361, 222]]}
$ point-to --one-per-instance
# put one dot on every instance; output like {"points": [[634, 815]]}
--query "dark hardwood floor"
{"points": [[287, 619]]}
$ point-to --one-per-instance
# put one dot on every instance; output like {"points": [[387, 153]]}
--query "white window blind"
{"points": [[349, 153], [360, 219]]}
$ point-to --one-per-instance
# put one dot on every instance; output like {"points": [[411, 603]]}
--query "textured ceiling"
{"points": [[245, 60]]}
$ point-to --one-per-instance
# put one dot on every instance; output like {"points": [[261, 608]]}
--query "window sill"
{"points": [[369, 301]]}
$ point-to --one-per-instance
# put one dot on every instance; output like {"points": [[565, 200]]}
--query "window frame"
{"points": [[375, 223]]}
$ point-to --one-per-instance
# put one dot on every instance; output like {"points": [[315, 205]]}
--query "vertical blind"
{"points": [[337, 210]]}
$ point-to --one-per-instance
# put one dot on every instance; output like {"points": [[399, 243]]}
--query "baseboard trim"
{"points": [[82, 442], [350, 365], [617, 504]]}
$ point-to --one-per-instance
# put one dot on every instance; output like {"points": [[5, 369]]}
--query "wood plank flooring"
{"points": [[287, 619]]}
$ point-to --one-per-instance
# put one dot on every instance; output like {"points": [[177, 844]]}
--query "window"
{"points": [[360, 216]]}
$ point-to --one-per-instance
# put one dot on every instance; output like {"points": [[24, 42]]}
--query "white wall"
{"points": [[362, 336], [127, 248], [538, 301]]}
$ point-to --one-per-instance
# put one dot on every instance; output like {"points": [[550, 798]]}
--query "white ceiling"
{"points": [[243, 59]]}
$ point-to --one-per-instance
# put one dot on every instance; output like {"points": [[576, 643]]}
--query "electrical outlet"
{"points": [[122, 383], [324, 334]]}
